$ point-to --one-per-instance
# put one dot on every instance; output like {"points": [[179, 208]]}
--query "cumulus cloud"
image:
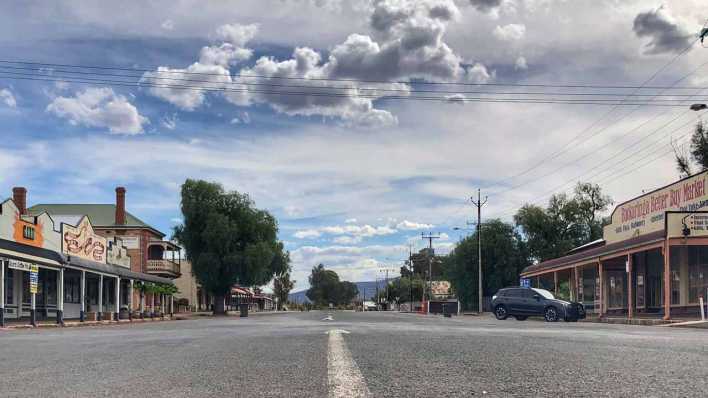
{"points": [[7, 98], [411, 225], [169, 122], [167, 24], [520, 63], [486, 5], [99, 107], [407, 43], [510, 32], [663, 31], [354, 233]]}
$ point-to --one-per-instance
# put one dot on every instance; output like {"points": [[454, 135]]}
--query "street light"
{"points": [[698, 107]]}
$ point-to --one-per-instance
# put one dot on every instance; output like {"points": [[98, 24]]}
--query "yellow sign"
{"points": [[34, 278], [645, 214], [680, 225]]}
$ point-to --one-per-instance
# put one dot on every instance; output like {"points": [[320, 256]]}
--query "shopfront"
{"points": [[652, 260]]}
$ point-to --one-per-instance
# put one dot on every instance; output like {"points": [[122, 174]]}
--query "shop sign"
{"points": [[524, 282], [20, 265], [34, 278], [645, 214], [696, 224], [130, 242]]}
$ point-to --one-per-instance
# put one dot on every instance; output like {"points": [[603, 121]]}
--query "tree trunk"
{"points": [[219, 307]]}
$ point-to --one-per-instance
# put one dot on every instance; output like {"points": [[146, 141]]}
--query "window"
{"points": [[9, 286], [697, 273], [72, 289], [677, 258], [616, 289], [28, 232]]}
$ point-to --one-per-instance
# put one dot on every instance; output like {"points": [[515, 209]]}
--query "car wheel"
{"points": [[500, 312], [521, 318], [551, 314]]}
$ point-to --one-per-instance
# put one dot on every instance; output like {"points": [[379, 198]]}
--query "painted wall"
{"points": [[117, 253], [82, 241], [12, 227]]}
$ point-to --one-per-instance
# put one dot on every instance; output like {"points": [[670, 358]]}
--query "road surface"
{"points": [[353, 354]]}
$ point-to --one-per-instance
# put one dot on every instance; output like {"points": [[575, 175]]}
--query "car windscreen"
{"points": [[544, 293]]}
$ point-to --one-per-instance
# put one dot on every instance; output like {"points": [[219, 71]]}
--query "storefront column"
{"points": [[602, 288], [100, 298], [152, 307], [667, 282], [630, 307], [117, 313], [172, 306], [82, 313], [33, 309], [2, 293], [142, 304], [576, 271], [130, 301], [60, 297], [555, 283]]}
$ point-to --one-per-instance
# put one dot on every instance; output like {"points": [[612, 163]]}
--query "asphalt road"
{"points": [[382, 355]]}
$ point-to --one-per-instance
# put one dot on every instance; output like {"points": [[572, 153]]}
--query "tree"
{"points": [[325, 288], [698, 152], [282, 285], [566, 222], [401, 288], [504, 255], [228, 240]]}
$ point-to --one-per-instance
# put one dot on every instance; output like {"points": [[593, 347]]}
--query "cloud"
{"points": [[520, 63], [347, 240], [7, 98], [307, 233], [486, 5], [407, 43], [99, 107], [664, 33], [411, 225], [169, 122], [350, 221], [510, 32], [244, 118], [355, 233], [167, 24]]}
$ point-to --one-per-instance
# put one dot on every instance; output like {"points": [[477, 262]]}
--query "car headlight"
{"points": [[494, 297]]}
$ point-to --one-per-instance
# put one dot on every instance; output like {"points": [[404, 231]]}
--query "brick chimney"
{"points": [[120, 206], [19, 196]]}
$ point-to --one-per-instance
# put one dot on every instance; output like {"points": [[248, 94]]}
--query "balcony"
{"points": [[166, 268]]}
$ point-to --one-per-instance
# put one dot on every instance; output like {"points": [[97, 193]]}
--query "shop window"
{"points": [[616, 289], [697, 273], [26, 297], [639, 261], [9, 286], [28, 232], [677, 256], [72, 289]]}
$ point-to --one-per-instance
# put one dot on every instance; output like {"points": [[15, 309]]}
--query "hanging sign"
{"points": [[34, 278], [21, 265]]}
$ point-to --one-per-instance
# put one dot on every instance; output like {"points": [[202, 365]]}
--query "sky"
{"points": [[353, 181]]}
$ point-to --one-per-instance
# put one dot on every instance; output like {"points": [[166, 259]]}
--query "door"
{"points": [[514, 301], [534, 302]]}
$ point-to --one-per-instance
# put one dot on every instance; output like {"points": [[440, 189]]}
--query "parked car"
{"points": [[522, 302]]}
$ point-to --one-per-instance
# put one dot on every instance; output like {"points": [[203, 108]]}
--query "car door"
{"points": [[515, 301], [534, 302]]}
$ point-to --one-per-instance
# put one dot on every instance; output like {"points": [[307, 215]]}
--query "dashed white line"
{"points": [[344, 379]]}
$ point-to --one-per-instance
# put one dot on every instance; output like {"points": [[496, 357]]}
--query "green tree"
{"points": [[325, 288], [565, 223], [282, 285], [504, 255], [228, 240], [698, 152], [401, 288]]}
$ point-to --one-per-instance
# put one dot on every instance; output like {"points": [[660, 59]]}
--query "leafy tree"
{"points": [[227, 239], [401, 288], [325, 288], [698, 152], [566, 222], [282, 285], [504, 255]]}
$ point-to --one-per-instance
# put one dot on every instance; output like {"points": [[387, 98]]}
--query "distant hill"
{"points": [[366, 289]]}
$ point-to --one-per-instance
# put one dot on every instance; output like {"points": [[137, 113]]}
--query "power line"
{"points": [[417, 82]]}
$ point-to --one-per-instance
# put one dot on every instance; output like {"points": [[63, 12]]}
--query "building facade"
{"points": [[653, 258], [57, 270]]}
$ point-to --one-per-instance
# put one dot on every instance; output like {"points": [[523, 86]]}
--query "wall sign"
{"points": [[645, 214], [20, 265], [130, 242], [34, 278], [697, 224], [81, 241]]}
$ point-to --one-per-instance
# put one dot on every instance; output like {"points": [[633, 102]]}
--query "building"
{"points": [[187, 286], [145, 245], [653, 258], [54, 269]]}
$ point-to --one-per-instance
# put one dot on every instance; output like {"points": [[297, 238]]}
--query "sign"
{"points": [[524, 282], [20, 265], [118, 254], [645, 214], [440, 288], [81, 241], [34, 278], [697, 224], [130, 242]]}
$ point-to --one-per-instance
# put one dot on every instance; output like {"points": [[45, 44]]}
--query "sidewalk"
{"points": [[15, 325]]}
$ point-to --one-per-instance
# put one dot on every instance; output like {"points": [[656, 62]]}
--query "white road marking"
{"points": [[328, 318], [344, 378]]}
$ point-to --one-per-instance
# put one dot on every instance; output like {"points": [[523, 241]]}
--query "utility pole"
{"points": [[430, 238], [479, 203]]}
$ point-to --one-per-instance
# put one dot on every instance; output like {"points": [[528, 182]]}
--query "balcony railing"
{"points": [[163, 267]]}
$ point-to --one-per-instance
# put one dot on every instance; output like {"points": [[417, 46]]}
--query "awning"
{"points": [[38, 255], [113, 270], [594, 253], [238, 290]]}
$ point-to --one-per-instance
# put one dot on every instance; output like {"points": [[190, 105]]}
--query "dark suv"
{"points": [[522, 302]]}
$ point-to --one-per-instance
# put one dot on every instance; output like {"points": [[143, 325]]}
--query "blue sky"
{"points": [[352, 182]]}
